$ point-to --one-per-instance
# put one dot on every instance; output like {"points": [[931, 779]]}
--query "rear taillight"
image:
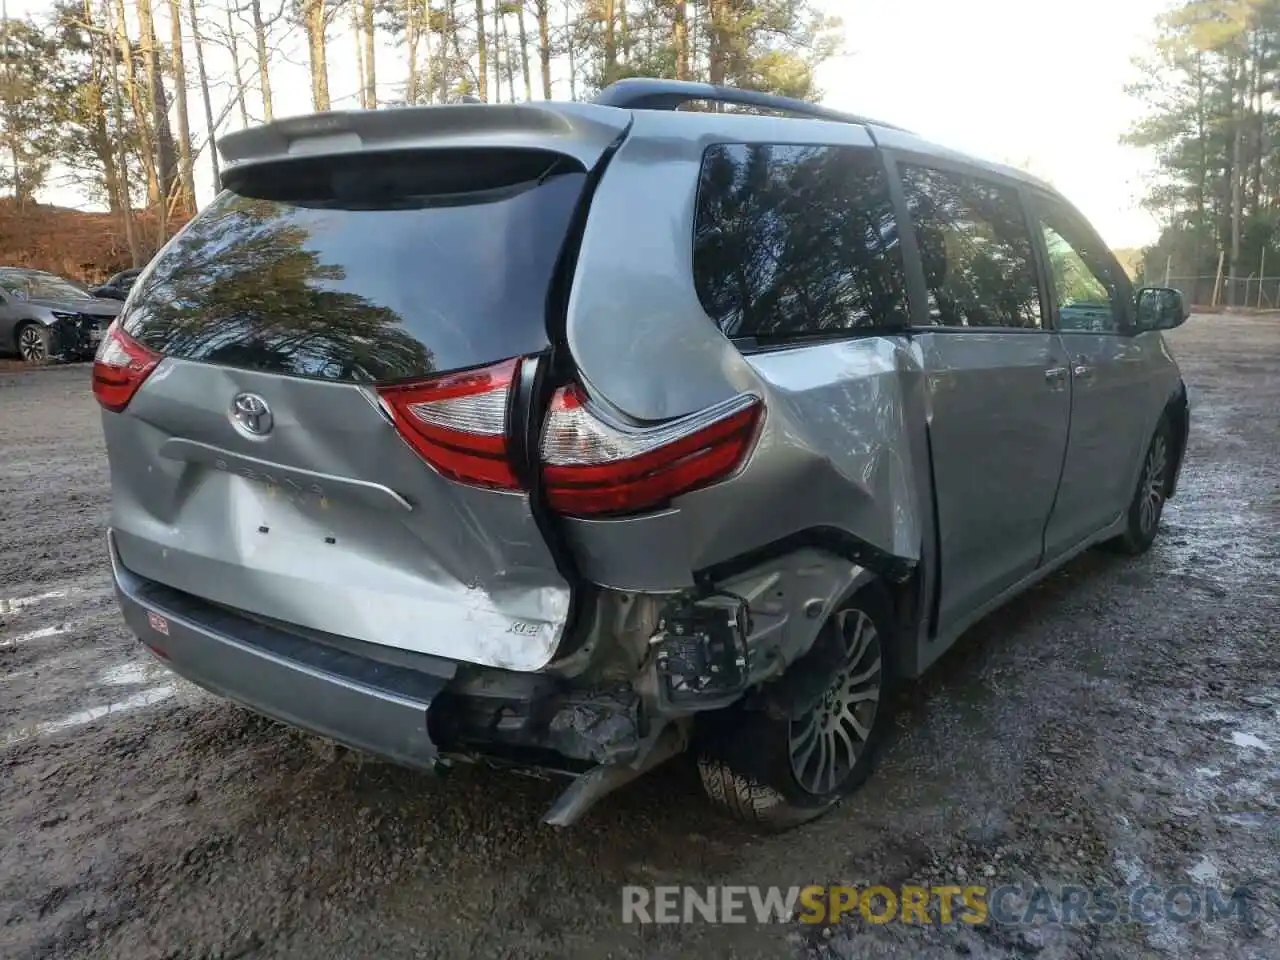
{"points": [[590, 466], [593, 467], [120, 367], [457, 423]]}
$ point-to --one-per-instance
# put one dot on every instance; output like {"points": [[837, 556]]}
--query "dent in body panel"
{"points": [[840, 447], [998, 424], [839, 450], [464, 574]]}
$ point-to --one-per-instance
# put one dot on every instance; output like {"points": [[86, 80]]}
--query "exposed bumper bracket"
{"points": [[581, 795]]}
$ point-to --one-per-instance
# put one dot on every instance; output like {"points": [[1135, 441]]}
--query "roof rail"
{"points": [[647, 93]]}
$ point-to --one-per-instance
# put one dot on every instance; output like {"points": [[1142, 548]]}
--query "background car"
{"points": [[45, 317], [118, 287]]}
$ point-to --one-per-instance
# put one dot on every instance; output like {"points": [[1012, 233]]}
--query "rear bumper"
{"points": [[371, 704]]}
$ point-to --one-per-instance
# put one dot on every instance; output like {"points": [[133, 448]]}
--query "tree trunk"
{"points": [[625, 30], [523, 36], [370, 71], [510, 63], [610, 42], [448, 35], [1203, 171], [260, 42], [236, 73], [425, 21], [99, 135], [412, 11], [570, 49], [460, 62], [315, 27], [718, 47], [357, 30], [146, 144], [481, 51], [186, 166], [122, 165], [157, 102], [1259, 118], [543, 8], [681, 31], [204, 94], [499, 50], [1237, 181]]}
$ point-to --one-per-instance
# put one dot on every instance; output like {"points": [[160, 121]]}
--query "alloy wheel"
{"points": [[31, 345], [825, 743], [1152, 488]]}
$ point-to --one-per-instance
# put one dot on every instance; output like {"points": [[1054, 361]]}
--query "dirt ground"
{"points": [[1118, 724]]}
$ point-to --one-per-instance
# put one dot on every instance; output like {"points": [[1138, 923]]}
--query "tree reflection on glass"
{"points": [[1080, 269], [975, 248], [796, 240], [242, 287]]}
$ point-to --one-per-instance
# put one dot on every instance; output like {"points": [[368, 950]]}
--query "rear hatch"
{"points": [[308, 399]]}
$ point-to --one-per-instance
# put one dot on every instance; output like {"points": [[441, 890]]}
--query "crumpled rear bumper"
{"points": [[368, 703]]}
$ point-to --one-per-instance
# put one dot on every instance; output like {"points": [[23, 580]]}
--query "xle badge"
{"points": [[522, 629]]}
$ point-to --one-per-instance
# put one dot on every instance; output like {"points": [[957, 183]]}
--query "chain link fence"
{"points": [[1259, 293]]}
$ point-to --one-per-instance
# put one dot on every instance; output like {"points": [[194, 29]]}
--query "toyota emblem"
{"points": [[251, 415]]}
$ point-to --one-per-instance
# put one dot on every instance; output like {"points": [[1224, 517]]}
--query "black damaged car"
{"points": [[44, 317]]}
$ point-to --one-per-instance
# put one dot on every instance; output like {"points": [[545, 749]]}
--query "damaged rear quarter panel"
{"points": [[843, 441], [839, 449]]}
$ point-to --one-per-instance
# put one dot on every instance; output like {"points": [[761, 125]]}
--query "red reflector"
{"points": [[120, 367], [595, 467], [458, 422]]}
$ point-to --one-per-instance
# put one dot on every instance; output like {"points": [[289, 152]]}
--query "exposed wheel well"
{"points": [[1180, 425]]}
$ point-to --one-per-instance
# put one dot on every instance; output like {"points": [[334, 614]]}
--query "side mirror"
{"points": [[1161, 308]]}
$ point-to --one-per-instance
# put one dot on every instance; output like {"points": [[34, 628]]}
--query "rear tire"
{"points": [[775, 773], [1142, 521], [35, 344]]}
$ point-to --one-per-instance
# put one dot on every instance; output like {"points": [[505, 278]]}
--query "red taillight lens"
{"points": [[457, 423], [592, 467], [120, 367]]}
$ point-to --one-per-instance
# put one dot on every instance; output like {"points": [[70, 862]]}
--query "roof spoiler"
{"points": [[579, 130], [643, 93]]}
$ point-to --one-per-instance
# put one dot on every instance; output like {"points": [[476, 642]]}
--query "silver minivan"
{"points": [[574, 436]]}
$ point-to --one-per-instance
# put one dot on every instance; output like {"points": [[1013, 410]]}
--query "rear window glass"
{"points": [[365, 269], [793, 242]]}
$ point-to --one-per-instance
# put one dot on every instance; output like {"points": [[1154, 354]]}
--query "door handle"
{"points": [[1055, 374], [1082, 371]]}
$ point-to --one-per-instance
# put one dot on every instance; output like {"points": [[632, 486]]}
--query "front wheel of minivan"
{"points": [[1147, 506], [774, 772]]}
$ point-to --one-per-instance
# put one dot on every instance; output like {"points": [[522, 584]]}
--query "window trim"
{"points": [[917, 290], [1036, 202], [749, 344]]}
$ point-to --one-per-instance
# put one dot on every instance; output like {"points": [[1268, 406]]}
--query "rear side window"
{"points": [[367, 267], [793, 242], [975, 248]]}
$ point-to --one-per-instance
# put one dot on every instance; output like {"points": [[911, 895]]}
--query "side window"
{"points": [[796, 241], [1085, 286], [975, 249]]}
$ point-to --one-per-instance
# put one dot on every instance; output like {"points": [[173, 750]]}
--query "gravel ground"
{"points": [[1120, 723]]}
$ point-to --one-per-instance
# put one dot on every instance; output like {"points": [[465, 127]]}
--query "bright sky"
{"points": [[1034, 84]]}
